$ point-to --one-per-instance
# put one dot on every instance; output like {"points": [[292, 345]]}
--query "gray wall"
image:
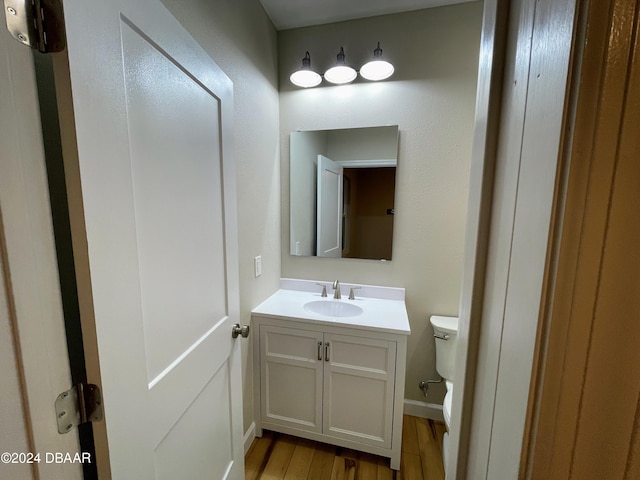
{"points": [[432, 98], [308, 146]]}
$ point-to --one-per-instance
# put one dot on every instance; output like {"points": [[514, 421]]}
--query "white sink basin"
{"points": [[332, 308]]}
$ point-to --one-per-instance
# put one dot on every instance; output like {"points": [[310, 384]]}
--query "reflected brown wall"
{"points": [[372, 192]]}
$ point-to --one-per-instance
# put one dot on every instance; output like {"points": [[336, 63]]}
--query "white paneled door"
{"points": [[152, 199]]}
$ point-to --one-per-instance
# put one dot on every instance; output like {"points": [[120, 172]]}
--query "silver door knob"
{"points": [[238, 330]]}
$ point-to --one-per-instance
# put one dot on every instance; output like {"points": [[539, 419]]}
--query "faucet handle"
{"points": [[351, 294], [324, 289]]}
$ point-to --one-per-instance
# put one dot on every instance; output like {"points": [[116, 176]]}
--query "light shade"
{"points": [[341, 73], [378, 68], [305, 77]]}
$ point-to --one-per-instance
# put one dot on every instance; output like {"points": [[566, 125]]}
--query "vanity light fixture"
{"points": [[341, 73], [378, 68], [305, 77]]}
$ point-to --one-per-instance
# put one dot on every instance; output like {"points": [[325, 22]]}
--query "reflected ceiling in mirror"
{"points": [[343, 192]]}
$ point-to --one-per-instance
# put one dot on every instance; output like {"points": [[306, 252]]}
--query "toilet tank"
{"points": [[445, 327]]}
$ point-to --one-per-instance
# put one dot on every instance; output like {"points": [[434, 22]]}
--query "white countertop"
{"points": [[380, 314]]}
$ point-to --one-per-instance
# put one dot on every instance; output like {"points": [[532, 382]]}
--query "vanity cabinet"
{"points": [[330, 383]]}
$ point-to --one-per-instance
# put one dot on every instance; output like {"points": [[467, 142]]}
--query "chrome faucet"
{"points": [[336, 287]]}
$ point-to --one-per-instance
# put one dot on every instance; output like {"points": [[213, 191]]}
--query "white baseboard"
{"points": [[249, 437], [423, 409]]}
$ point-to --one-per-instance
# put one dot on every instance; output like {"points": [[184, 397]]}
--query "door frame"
{"points": [[31, 280], [576, 364], [525, 57]]}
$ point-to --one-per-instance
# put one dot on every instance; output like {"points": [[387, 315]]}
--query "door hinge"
{"points": [[38, 24], [80, 404]]}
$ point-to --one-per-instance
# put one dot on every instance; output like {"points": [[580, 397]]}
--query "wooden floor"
{"points": [[277, 456]]}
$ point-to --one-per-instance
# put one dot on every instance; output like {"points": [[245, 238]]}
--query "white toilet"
{"points": [[445, 332]]}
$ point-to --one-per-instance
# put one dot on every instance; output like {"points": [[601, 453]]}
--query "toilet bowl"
{"points": [[445, 333], [446, 405]]}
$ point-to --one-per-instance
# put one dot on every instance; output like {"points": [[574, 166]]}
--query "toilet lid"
{"points": [[446, 407]]}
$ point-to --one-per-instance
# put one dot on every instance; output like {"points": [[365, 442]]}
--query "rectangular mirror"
{"points": [[343, 192]]}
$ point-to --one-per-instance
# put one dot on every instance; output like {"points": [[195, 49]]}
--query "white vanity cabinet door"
{"points": [[359, 381], [291, 377]]}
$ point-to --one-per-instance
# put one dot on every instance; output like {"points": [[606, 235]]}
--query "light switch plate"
{"points": [[257, 265]]}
